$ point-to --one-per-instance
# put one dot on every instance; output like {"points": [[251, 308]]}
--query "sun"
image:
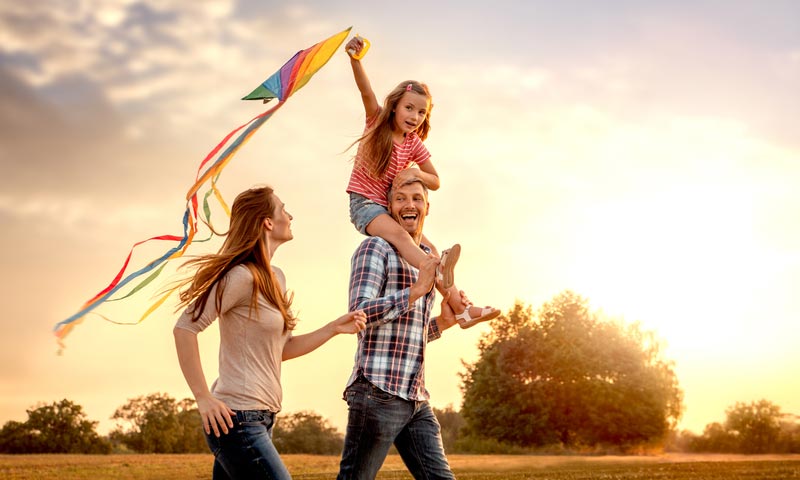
{"points": [[683, 260]]}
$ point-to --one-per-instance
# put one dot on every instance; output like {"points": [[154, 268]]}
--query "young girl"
{"points": [[392, 141], [240, 286]]}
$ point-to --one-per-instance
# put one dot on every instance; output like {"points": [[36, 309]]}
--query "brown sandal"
{"points": [[447, 265]]}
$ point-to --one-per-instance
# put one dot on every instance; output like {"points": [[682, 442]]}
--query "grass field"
{"points": [[466, 467]]}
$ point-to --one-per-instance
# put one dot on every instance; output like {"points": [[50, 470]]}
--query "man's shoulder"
{"points": [[374, 244], [381, 245]]}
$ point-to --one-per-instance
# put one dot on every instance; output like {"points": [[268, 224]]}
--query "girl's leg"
{"points": [[388, 229], [430, 245], [468, 315]]}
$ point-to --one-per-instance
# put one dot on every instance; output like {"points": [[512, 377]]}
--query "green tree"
{"points": [[60, 427], [156, 423], [191, 438], [790, 433], [498, 402], [451, 423], [715, 438], [16, 437], [756, 426], [570, 378], [306, 432]]}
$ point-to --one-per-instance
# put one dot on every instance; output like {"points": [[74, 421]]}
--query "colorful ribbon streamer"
{"points": [[292, 76]]}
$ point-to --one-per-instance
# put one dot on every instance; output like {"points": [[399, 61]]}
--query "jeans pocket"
{"points": [[379, 396]]}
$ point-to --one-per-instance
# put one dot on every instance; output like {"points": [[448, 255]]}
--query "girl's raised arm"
{"points": [[360, 75]]}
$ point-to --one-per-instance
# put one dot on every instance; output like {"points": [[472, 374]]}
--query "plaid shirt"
{"points": [[391, 350]]}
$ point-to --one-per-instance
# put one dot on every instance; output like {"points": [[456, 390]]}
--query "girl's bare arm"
{"points": [[360, 76]]}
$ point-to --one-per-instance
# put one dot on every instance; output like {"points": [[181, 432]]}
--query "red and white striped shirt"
{"points": [[410, 151]]}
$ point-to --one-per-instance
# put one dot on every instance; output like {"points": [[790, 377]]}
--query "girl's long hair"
{"points": [[375, 146], [245, 244]]}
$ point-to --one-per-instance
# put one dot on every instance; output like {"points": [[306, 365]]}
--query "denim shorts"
{"points": [[247, 451], [363, 211]]}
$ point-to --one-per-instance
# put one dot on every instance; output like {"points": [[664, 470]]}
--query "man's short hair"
{"points": [[405, 183]]}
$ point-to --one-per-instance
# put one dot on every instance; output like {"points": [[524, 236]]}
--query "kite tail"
{"points": [[292, 76], [191, 216]]}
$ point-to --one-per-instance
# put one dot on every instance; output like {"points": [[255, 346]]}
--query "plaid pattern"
{"points": [[391, 350]]}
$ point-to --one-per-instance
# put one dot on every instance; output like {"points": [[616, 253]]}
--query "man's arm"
{"points": [[445, 320], [369, 279]]}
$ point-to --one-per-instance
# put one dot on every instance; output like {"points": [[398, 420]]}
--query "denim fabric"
{"points": [[246, 451], [376, 420], [363, 211]]}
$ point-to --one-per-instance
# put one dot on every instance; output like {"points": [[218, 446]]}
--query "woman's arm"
{"points": [[352, 322], [215, 414]]}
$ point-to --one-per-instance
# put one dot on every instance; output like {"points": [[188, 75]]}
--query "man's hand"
{"points": [[465, 301], [448, 317], [425, 280]]}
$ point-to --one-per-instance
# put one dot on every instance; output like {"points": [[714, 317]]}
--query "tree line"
{"points": [[562, 379], [154, 423]]}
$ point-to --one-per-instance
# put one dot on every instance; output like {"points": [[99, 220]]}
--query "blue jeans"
{"points": [[246, 451], [376, 420]]}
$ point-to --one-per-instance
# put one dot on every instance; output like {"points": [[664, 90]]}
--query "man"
{"points": [[386, 396]]}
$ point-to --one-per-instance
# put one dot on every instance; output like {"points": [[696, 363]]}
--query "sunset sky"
{"points": [[643, 154]]}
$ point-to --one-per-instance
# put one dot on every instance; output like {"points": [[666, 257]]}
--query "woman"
{"points": [[240, 286]]}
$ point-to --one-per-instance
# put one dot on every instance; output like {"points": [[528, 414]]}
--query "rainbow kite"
{"points": [[291, 77]]}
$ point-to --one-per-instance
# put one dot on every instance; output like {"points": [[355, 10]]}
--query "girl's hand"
{"points": [[352, 322], [215, 414], [405, 175], [354, 46]]}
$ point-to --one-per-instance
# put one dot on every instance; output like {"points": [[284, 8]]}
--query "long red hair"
{"points": [[245, 244]]}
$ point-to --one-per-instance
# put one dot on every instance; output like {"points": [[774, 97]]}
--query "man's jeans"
{"points": [[376, 420], [246, 451]]}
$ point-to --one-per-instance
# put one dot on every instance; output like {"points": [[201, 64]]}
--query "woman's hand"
{"points": [[215, 414], [352, 322]]}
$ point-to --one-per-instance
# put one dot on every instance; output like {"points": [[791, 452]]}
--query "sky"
{"points": [[643, 154]]}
